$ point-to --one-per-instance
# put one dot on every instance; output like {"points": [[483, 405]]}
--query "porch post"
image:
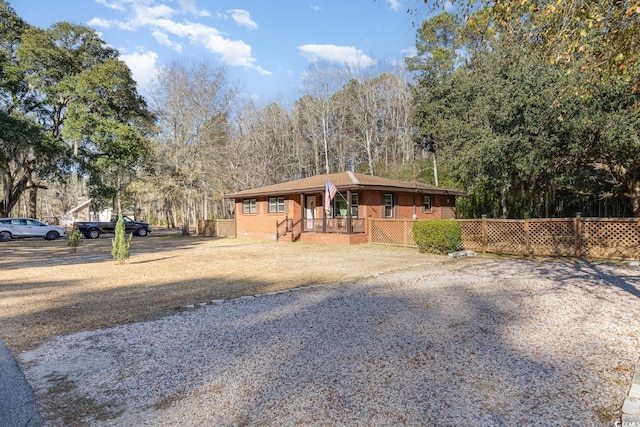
{"points": [[324, 213], [349, 224], [303, 210]]}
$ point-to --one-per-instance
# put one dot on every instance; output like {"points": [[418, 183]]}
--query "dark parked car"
{"points": [[15, 228], [93, 230]]}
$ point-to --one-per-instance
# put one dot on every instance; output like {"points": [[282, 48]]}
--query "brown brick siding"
{"points": [[262, 224]]}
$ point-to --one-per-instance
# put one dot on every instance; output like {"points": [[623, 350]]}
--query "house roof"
{"points": [[81, 206], [343, 181]]}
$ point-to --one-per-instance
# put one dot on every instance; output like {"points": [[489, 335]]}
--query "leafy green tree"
{"points": [[87, 100], [598, 39], [609, 135], [27, 154], [437, 42], [522, 137]]}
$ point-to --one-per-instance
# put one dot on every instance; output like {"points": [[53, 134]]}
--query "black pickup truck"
{"points": [[93, 230]]}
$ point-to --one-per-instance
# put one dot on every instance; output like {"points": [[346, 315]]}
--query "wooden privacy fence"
{"points": [[216, 227], [610, 238]]}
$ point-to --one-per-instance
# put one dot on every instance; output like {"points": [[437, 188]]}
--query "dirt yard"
{"points": [[46, 290]]}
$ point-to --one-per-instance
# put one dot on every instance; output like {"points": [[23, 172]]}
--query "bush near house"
{"points": [[438, 236]]}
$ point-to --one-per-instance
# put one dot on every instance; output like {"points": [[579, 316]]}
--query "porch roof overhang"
{"points": [[344, 181]]}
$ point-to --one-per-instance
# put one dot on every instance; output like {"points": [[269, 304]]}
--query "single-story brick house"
{"points": [[297, 207]]}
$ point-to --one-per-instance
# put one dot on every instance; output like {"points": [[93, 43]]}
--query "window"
{"points": [[354, 205], [276, 204], [388, 205], [249, 206], [339, 207], [426, 204]]}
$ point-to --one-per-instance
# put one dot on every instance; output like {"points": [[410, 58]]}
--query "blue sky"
{"points": [[264, 45]]}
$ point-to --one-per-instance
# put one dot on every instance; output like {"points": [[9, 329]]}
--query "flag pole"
{"points": [[343, 198]]}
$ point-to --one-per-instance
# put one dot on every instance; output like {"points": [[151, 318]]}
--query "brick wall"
{"points": [[262, 224]]}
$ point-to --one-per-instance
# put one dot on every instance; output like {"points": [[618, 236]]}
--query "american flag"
{"points": [[329, 193]]}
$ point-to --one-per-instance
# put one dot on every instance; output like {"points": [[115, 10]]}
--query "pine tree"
{"points": [[120, 244]]}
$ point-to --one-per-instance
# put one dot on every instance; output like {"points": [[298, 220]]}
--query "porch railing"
{"points": [[334, 225], [296, 230], [283, 227]]}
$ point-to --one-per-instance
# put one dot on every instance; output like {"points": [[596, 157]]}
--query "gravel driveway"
{"points": [[497, 342]]}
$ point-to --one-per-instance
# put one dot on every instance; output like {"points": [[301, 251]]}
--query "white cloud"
{"points": [[149, 14], [341, 54], [164, 39], [189, 6], [411, 51], [394, 4], [163, 24], [99, 23], [116, 5], [243, 18], [143, 67]]}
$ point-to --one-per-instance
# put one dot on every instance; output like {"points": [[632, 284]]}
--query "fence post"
{"points": [[484, 233], [404, 231], [577, 227], [527, 244]]}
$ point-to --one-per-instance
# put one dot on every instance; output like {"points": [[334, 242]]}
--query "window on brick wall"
{"points": [[426, 203], [249, 206], [388, 205], [276, 204]]}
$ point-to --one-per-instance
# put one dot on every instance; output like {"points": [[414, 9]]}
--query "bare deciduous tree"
{"points": [[192, 104]]}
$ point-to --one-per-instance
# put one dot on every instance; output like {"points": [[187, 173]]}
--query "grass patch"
{"points": [[63, 403]]}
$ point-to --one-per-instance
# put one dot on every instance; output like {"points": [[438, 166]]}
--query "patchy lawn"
{"points": [[45, 290]]}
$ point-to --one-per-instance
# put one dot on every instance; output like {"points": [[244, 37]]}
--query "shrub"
{"points": [[438, 236], [74, 239], [120, 245]]}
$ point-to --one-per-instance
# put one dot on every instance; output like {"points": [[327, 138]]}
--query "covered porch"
{"points": [[312, 222]]}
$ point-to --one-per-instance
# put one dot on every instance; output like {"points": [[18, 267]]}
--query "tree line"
{"points": [[524, 131]]}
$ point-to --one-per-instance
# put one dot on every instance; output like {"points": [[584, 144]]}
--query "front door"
{"points": [[310, 214]]}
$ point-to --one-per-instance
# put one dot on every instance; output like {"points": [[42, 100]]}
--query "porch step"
{"points": [[287, 238]]}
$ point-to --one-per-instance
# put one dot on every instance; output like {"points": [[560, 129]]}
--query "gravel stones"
{"points": [[500, 342]]}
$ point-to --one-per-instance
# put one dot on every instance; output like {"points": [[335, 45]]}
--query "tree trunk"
{"points": [[12, 195], [325, 145], [172, 219], [33, 202], [316, 155], [634, 196], [185, 219], [503, 202], [368, 145]]}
